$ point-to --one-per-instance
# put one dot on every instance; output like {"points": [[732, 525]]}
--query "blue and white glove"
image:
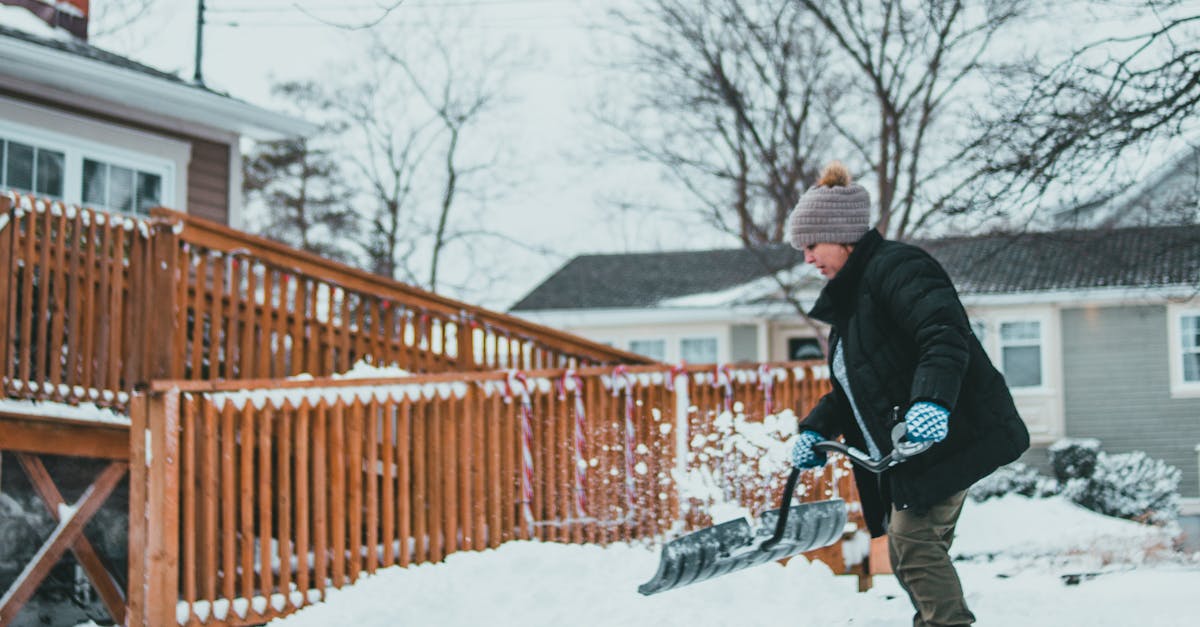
{"points": [[803, 453], [927, 422]]}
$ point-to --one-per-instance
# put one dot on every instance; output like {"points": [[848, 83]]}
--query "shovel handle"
{"points": [[784, 507], [902, 449]]}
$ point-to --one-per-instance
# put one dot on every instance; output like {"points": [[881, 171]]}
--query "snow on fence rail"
{"points": [[92, 304], [250, 503]]}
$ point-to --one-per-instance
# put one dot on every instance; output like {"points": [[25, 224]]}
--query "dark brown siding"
{"points": [[208, 181], [208, 171]]}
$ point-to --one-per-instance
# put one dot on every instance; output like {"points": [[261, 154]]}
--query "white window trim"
{"points": [[77, 148], [997, 349], [1175, 315]]}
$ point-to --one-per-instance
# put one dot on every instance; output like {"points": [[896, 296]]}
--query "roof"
{"points": [[77, 68], [988, 264], [646, 279], [1159, 256]]}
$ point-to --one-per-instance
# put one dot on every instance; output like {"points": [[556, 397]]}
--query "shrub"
{"points": [[1074, 458], [1129, 485], [1015, 478]]}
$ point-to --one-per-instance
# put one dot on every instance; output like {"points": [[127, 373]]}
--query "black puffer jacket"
{"points": [[906, 338]]}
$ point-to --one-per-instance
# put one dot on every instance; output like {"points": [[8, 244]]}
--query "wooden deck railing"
{"points": [[250, 502], [92, 304]]}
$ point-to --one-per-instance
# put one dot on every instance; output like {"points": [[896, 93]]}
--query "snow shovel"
{"points": [[738, 544]]}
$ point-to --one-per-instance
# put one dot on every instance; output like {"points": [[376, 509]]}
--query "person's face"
{"points": [[827, 258]]}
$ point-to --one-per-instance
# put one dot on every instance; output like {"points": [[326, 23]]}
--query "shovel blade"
{"points": [[735, 545]]}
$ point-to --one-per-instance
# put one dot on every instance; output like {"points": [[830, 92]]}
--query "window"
{"points": [[701, 350], [654, 349], [116, 188], [29, 168], [1189, 347], [1021, 353], [804, 348], [109, 177]]}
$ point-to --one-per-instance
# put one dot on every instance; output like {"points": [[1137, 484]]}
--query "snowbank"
{"points": [[1021, 527]]}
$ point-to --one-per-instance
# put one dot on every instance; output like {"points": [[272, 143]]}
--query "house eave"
{"points": [[1101, 296], [622, 316], [92, 79]]}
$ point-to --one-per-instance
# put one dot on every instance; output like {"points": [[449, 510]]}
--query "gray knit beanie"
{"points": [[834, 211]]}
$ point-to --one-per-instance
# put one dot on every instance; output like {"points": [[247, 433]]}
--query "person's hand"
{"points": [[803, 453], [927, 422]]}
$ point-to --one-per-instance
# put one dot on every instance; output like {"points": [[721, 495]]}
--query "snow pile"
{"points": [[85, 412], [364, 370], [1021, 527], [536, 584]]}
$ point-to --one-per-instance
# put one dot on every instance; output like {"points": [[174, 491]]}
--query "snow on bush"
{"points": [[1015, 478], [1129, 485], [1074, 458]]}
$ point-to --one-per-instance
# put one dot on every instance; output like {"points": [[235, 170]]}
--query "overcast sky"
{"points": [[559, 200]]}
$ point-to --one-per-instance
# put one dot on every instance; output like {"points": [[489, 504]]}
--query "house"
{"points": [[90, 127], [1097, 331]]}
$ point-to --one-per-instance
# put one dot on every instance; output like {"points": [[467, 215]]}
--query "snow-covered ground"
{"points": [[1015, 558]]}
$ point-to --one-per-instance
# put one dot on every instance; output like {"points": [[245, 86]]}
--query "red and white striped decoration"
{"points": [[580, 442], [676, 370], [622, 378], [724, 379], [766, 383], [515, 379]]}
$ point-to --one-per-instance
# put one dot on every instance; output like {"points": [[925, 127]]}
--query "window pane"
{"points": [[654, 349], [1020, 331], [1191, 367], [18, 173], [95, 183], [149, 192], [803, 348], [120, 189], [1022, 365], [1190, 332], [698, 350], [2, 151], [50, 172]]}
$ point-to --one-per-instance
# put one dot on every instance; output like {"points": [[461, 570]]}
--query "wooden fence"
{"points": [[92, 304], [248, 502]]}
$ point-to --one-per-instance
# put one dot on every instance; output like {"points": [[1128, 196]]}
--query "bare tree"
{"points": [[725, 96], [1073, 122], [459, 98], [388, 150], [409, 117], [910, 61]]}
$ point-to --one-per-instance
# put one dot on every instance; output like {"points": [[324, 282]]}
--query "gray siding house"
{"points": [[1096, 330]]}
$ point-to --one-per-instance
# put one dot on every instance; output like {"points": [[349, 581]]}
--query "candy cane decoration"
{"points": [[621, 377], [724, 378], [676, 370], [515, 378], [580, 442], [766, 382]]}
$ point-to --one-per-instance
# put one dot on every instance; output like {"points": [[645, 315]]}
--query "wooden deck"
{"points": [[253, 492]]}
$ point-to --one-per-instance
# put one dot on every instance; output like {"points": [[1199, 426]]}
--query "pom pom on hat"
{"points": [[835, 210]]}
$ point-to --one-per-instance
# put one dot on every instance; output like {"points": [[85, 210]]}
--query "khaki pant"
{"points": [[919, 547]]}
